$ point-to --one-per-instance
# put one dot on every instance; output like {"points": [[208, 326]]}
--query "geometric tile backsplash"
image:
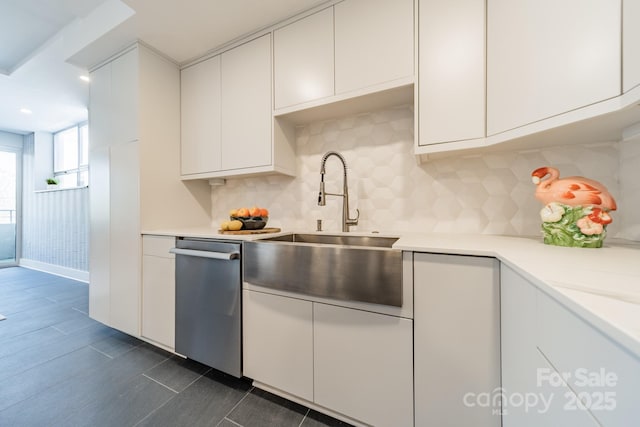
{"points": [[491, 193]]}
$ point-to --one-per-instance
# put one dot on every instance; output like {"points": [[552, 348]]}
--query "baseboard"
{"points": [[79, 275]]}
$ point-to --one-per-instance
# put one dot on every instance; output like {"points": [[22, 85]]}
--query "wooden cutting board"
{"points": [[261, 231]]}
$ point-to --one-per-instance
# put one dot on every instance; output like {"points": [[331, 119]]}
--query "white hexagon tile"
{"points": [[488, 193]]}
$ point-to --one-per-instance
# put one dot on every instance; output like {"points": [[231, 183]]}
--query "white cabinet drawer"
{"points": [[602, 373], [158, 245]]}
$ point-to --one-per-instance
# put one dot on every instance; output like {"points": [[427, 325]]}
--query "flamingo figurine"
{"points": [[572, 190]]}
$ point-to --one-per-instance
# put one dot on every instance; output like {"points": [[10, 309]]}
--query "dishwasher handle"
{"points": [[206, 254]]}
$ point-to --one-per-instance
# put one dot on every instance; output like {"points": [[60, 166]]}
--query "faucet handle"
{"points": [[354, 221]]}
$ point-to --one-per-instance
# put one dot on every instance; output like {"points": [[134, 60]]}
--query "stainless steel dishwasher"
{"points": [[208, 308]]}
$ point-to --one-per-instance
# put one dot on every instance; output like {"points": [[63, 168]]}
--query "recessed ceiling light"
{"points": [[84, 78], [26, 111]]}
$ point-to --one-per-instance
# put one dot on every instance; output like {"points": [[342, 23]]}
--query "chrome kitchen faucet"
{"points": [[346, 221]]}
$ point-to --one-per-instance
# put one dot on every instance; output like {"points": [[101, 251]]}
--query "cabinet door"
{"points": [[533, 392], [200, 114], [451, 72], [124, 90], [373, 42], [303, 60], [363, 365], [604, 374], [631, 44], [456, 339], [158, 290], [99, 228], [519, 353], [100, 110], [547, 57], [124, 251], [246, 105], [278, 342]]}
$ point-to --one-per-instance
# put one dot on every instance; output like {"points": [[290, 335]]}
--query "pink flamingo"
{"points": [[572, 191]]}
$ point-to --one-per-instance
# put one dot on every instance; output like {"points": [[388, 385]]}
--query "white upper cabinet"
{"points": [[303, 60], [353, 49], [246, 105], [373, 43], [200, 115], [451, 70], [546, 58], [227, 121], [631, 44]]}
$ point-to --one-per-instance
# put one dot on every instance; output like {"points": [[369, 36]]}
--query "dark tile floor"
{"points": [[58, 367]]}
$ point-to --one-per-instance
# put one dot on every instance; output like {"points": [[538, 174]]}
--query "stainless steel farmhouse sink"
{"points": [[344, 267]]}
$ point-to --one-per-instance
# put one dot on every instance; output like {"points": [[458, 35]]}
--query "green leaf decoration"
{"points": [[566, 233]]}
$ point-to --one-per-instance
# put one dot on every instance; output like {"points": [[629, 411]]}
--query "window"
{"points": [[71, 156]]}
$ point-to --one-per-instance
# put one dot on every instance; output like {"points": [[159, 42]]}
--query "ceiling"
{"points": [[46, 45]]}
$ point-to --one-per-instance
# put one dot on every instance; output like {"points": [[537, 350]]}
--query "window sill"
{"points": [[50, 190]]}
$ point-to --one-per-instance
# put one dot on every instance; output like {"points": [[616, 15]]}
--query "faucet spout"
{"points": [[346, 220]]}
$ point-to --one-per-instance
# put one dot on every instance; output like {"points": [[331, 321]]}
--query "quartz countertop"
{"points": [[600, 285], [206, 233]]}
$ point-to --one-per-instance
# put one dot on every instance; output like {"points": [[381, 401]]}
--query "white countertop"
{"points": [[600, 285], [205, 233]]}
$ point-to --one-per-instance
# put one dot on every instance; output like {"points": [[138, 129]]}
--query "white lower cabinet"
{"points": [[351, 362], [557, 370], [552, 403], [603, 374], [456, 340], [277, 342], [363, 365], [158, 290], [519, 354]]}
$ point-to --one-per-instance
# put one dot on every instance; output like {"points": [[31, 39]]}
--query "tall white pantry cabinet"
{"points": [[134, 126]]}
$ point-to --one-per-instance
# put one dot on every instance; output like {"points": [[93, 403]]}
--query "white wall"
{"points": [[490, 193]]}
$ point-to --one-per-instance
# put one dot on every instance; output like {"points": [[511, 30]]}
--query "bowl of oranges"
{"points": [[254, 218]]}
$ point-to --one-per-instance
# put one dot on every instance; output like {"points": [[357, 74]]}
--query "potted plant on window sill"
{"points": [[52, 183]]}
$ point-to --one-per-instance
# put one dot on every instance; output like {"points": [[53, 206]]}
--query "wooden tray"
{"points": [[261, 231]]}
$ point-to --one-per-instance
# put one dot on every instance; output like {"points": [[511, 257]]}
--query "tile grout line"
{"points": [[101, 352], [231, 421], [161, 406], [305, 417], [235, 406], [158, 382], [59, 330], [79, 311], [154, 411], [201, 375]]}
